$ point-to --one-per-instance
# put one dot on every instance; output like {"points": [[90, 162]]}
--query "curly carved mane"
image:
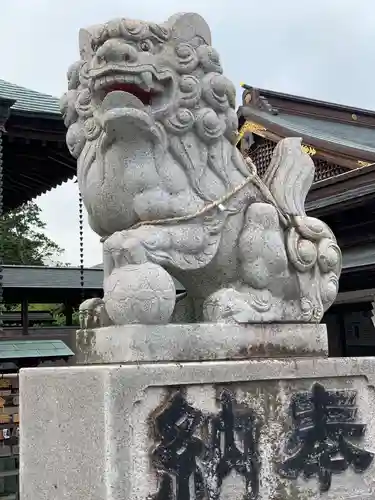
{"points": [[195, 126]]}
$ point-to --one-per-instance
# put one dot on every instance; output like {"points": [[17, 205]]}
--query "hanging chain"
{"points": [[1, 230], [81, 262]]}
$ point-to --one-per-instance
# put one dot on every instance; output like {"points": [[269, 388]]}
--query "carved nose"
{"points": [[116, 51]]}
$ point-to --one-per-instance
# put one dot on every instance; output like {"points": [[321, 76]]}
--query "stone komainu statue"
{"points": [[151, 120]]}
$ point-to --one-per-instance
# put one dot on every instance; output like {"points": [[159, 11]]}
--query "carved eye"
{"points": [[145, 46]]}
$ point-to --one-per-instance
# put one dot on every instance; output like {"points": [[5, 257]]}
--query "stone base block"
{"points": [[281, 429], [199, 342]]}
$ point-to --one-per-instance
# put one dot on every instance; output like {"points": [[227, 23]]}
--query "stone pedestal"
{"points": [[184, 412]]}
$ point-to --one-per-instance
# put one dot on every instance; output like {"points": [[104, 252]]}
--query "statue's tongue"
{"points": [[119, 109], [120, 99]]}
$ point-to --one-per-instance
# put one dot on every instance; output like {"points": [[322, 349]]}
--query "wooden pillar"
{"points": [[68, 314], [25, 316]]}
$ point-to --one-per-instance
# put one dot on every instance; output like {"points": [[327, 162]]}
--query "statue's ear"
{"points": [[190, 28], [85, 44]]}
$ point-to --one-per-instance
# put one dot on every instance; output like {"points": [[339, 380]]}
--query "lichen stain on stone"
{"points": [[278, 350], [290, 491], [86, 346], [264, 350], [165, 401], [267, 400], [187, 355]]}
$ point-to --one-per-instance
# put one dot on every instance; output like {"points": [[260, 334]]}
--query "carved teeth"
{"points": [[108, 80], [147, 79], [158, 87]]}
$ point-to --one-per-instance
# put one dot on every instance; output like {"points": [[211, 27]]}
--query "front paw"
{"points": [[123, 248], [230, 306]]}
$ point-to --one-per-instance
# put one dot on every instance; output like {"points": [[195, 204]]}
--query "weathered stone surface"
{"points": [[188, 412], [196, 342], [119, 431], [151, 121]]}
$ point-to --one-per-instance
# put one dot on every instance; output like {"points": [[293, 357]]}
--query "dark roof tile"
{"points": [[356, 137], [29, 100]]}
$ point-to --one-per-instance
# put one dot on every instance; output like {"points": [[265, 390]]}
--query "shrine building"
{"points": [[34, 160], [341, 142]]}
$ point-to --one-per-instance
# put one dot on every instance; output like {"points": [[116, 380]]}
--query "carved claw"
{"points": [[92, 314], [230, 306], [122, 248]]}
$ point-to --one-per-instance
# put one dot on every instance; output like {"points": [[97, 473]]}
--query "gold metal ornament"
{"points": [[309, 150]]}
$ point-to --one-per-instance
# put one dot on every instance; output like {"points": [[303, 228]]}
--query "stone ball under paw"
{"points": [[143, 293]]}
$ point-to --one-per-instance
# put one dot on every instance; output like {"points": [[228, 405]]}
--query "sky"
{"points": [[323, 49]]}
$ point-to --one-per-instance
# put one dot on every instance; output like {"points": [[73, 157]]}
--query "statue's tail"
{"points": [[289, 176], [310, 244]]}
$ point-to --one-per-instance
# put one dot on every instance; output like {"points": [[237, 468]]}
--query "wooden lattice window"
{"points": [[325, 170], [262, 155]]}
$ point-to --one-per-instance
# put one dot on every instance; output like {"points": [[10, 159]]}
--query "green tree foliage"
{"points": [[22, 238], [23, 242], [57, 311]]}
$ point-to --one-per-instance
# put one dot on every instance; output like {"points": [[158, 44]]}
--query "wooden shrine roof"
{"points": [[29, 100], [35, 156], [50, 284], [341, 134]]}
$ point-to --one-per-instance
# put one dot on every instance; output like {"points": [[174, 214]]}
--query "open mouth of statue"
{"points": [[144, 86], [131, 88]]}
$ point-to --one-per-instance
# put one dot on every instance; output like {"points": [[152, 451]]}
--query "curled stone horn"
{"points": [[190, 28]]}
